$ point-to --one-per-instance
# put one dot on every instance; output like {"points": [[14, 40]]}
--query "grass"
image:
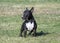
{"points": [[47, 15], [48, 23], [30, 1]]}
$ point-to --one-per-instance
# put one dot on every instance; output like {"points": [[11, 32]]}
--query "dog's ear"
{"points": [[32, 9], [26, 8]]}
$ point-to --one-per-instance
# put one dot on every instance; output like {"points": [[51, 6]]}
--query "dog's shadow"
{"points": [[41, 33]]}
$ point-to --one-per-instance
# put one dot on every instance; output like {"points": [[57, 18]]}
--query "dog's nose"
{"points": [[22, 17]]}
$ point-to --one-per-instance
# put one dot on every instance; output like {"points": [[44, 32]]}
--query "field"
{"points": [[47, 16]]}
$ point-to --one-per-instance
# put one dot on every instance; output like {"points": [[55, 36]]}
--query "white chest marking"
{"points": [[30, 25]]}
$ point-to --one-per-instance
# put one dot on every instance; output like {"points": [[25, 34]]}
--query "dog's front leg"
{"points": [[21, 32], [30, 32], [25, 32]]}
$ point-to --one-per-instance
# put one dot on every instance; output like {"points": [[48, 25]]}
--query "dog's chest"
{"points": [[30, 25]]}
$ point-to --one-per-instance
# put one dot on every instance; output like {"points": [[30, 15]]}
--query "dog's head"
{"points": [[27, 14]]}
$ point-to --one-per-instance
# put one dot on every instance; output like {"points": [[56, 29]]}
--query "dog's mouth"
{"points": [[25, 18]]}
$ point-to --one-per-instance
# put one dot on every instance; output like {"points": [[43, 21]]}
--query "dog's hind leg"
{"points": [[34, 32]]}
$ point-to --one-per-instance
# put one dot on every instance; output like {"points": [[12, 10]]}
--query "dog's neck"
{"points": [[31, 20]]}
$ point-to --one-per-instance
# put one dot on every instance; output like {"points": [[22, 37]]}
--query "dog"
{"points": [[29, 23]]}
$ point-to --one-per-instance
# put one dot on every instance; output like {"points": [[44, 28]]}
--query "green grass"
{"points": [[30, 1], [47, 15], [48, 23]]}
